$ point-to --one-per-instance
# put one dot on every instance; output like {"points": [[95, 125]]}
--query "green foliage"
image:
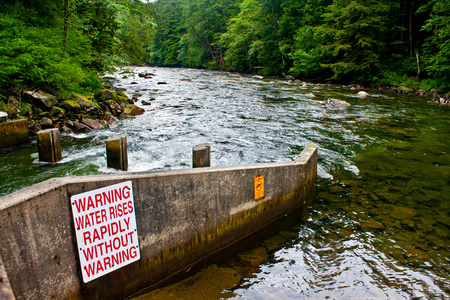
{"points": [[437, 46]]}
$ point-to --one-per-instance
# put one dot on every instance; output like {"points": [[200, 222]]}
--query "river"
{"points": [[378, 227]]}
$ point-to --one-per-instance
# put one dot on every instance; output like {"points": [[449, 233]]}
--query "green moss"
{"points": [[122, 94], [119, 98], [57, 112], [26, 109], [406, 89], [93, 103], [70, 104]]}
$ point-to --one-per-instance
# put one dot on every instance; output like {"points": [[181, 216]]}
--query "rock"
{"points": [[46, 123], [363, 94], [162, 82], [40, 98], [133, 110], [134, 82], [94, 124], [57, 113], [274, 243], [36, 127], [86, 105], [372, 225], [113, 107], [336, 189], [12, 101], [71, 106], [254, 257], [146, 103], [104, 95], [402, 213], [109, 118], [3, 116], [80, 127], [337, 103]]}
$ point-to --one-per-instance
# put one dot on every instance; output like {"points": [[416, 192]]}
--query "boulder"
{"points": [[12, 101], [80, 127], [133, 110], [104, 95], [94, 124], [337, 103], [113, 107], [46, 123], [109, 118], [363, 94], [71, 106], [40, 98], [57, 113], [86, 105]]}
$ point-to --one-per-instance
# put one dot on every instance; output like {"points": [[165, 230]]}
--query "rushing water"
{"points": [[379, 225]]}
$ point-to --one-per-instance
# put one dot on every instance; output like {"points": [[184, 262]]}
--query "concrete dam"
{"points": [[110, 236]]}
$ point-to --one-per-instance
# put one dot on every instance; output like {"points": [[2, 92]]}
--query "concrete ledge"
{"points": [[182, 216], [13, 133]]}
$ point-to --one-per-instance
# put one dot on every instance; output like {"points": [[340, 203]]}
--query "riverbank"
{"points": [[75, 113], [82, 114]]}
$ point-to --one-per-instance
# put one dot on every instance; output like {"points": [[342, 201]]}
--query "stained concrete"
{"points": [[182, 217], [13, 132]]}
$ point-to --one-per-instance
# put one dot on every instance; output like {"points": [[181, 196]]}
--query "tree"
{"points": [[437, 46], [354, 33], [252, 38], [205, 21], [170, 29]]}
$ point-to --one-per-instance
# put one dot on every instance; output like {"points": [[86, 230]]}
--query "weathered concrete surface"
{"points": [[6, 292], [13, 133], [201, 156], [49, 145], [182, 216], [117, 152]]}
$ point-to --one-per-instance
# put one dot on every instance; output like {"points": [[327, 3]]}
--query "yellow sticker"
{"points": [[259, 187]]}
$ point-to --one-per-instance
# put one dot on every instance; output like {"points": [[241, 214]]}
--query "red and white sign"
{"points": [[105, 225]]}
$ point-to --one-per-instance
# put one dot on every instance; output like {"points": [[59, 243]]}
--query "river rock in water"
{"points": [[402, 213], [254, 257], [363, 94], [337, 103]]}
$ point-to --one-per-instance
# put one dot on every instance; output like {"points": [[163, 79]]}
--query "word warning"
{"points": [[105, 225], [259, 187]]}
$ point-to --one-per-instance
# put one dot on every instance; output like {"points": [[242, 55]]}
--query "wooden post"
{"points": [[49, 145], [117, 152], [201, 156]]}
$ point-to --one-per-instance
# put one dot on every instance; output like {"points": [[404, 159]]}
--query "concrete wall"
{"points": [[181, 215], [13, 133]]}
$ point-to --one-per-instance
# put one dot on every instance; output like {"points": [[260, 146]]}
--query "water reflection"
{"points": [[379, 226]]}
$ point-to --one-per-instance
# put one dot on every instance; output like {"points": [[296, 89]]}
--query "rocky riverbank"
{"points": [[76, 113]]}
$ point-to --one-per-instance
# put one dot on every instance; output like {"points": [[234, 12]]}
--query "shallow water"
{"points": [[379, 225]]}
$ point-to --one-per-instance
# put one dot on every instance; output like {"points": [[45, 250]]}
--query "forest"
{"points": [[64, 46]]}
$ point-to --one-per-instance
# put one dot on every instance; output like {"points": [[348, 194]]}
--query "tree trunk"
{"points": [[418, 64], [411, 46], [66, 24]]}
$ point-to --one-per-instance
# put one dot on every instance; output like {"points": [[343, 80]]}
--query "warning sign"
{"points": [[259, 187], [105, 226]]}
